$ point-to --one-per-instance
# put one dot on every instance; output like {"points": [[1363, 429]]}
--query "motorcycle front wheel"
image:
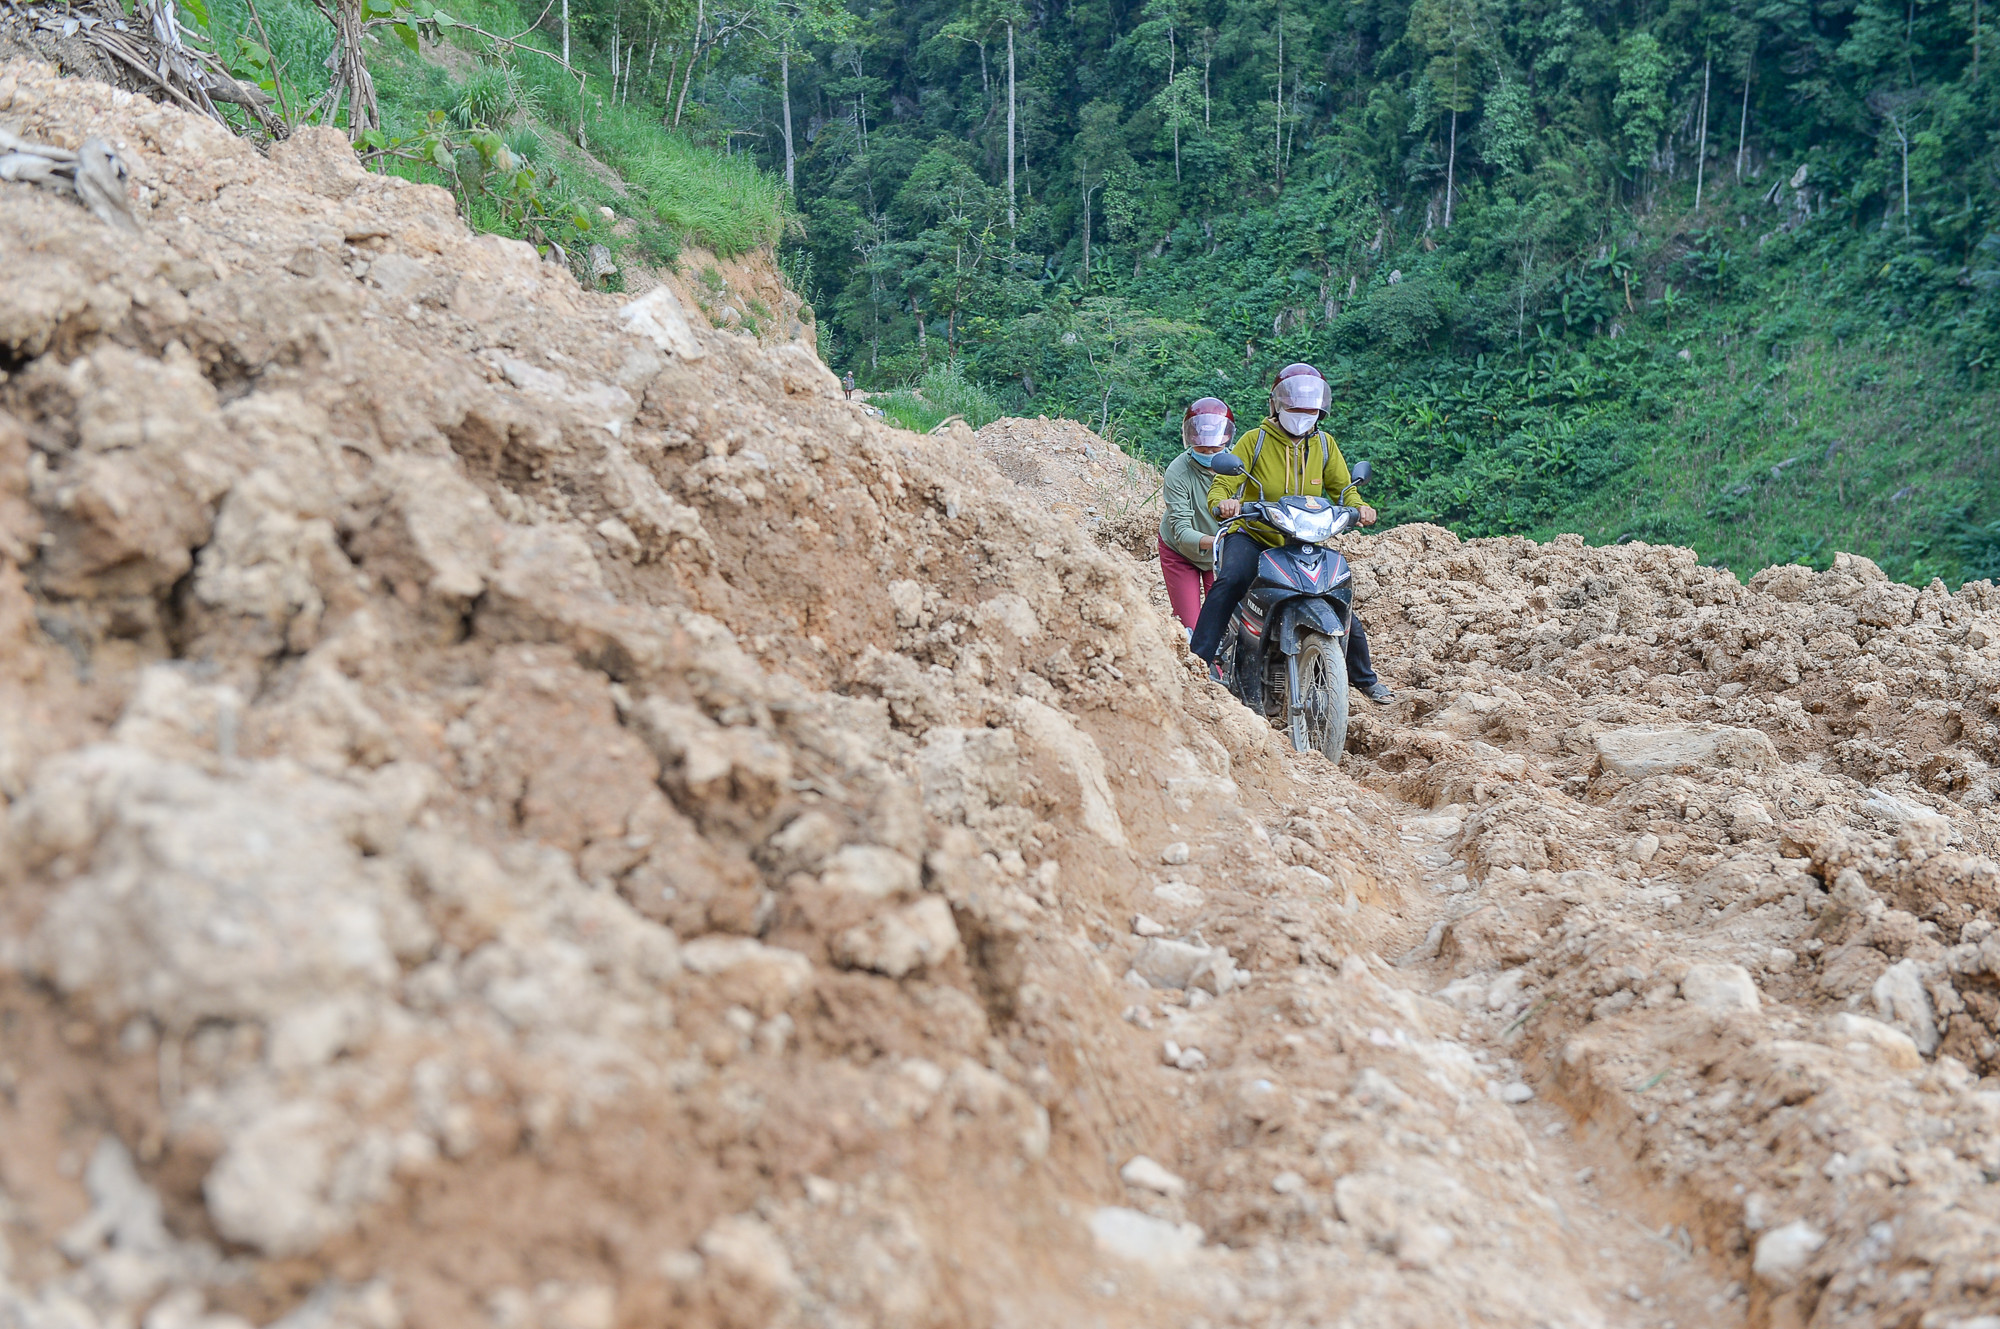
{"points": [[1315, 697]]}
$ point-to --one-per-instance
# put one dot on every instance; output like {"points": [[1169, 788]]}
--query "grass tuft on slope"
{"points": [[1873, 448], [944, 391], [676, 190]]}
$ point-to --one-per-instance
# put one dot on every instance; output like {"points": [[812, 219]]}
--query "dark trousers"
{"points": [[1234, 572]]}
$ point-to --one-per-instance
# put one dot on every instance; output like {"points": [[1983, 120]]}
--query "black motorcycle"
{"points": [[1285, 653]]}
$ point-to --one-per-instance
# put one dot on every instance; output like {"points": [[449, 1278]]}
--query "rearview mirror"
{"points": [[1226, 463], [1362, 470]]}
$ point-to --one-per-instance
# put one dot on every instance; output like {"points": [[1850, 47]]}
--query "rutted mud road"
{"points": [[524, 809]]}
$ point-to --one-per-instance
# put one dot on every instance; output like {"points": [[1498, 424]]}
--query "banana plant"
{"points": [[1620, 269]]}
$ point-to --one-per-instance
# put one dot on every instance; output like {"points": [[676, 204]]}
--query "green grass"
{"points": [[1804, 406], [1874, 448], [675, 190], [943, 392], [723, 203]]}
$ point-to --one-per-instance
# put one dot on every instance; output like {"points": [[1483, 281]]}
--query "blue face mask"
{"points": [[1207, 462]]}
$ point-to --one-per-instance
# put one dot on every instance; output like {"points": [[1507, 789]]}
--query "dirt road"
{"points": [[522, 808]]}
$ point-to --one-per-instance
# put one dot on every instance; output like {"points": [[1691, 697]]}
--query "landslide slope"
{"points": [[521, 809], [523, 812]]}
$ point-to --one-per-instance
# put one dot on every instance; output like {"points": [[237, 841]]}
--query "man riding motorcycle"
{"points": [[1288, 454]]}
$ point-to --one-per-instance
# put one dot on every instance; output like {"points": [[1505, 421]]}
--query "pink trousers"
{"points": [[1186, 584]]}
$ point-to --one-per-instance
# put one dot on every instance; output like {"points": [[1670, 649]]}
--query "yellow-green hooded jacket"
{"points": [[1276, 465]]}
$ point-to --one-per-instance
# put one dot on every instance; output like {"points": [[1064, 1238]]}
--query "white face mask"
{"points": [[1298, 423]]}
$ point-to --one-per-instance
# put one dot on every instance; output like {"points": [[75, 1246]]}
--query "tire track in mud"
{"points": [[1745, 975], [1648, 1269], [1733, 899]]}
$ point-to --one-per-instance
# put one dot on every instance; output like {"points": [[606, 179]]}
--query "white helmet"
{"points": [[1299, 399], [1208, 423]]}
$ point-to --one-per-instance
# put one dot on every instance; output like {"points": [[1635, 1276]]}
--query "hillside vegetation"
{"points": [[478, 99], [1717, 274], [1712, 273], [632, 840]]}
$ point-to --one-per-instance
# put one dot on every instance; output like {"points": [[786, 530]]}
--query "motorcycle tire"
{"points": [[1314, 715]]}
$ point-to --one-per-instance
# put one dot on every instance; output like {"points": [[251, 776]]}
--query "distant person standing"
{"points": [[1187, 527], [847, 384]]}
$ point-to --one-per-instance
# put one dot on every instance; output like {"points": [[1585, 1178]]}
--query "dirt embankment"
{"points": [[1076, 476], [521, 811]]}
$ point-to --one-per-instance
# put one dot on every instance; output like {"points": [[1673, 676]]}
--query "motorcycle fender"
{"points": [[1309, 614]]}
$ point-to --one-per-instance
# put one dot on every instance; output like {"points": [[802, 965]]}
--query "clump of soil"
{"points": [[524, 809], [1074, 474]]}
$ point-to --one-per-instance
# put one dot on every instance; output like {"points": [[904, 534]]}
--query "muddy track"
{"points": [[522, 809]]}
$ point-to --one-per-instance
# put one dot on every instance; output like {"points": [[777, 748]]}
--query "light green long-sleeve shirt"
{"points": [[1187, 517]]}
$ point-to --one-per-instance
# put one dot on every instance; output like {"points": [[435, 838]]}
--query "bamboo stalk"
{"points": [[277, 70], [149, 74]]}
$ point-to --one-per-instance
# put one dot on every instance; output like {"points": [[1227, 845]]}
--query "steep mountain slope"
{"points": [[522, 811]]}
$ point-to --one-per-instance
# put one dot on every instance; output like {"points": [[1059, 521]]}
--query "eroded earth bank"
{"points": [[523, 812]]}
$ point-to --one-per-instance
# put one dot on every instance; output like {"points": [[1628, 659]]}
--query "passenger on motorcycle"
{"points": [[1187, 527], [1288, 454]]}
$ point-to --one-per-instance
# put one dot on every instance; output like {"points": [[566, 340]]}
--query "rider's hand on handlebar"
{"points": [[1228, 508], [1367, 515]]}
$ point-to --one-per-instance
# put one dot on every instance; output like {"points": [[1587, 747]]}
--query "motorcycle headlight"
{"points": [[1315, 526]]}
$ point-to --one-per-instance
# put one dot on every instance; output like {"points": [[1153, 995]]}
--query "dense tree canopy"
{"points": [[1528, 237]]}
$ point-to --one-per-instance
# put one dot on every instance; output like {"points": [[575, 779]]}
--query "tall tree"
{"points": [[792, 25], [984, 21], [1641, 102], [1701, 139], [1099, 148], [950, 215], [1010, 125], [1456, 35], [785, 82]]}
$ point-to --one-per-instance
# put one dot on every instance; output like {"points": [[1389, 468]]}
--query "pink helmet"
{"points": [[1299, 399], [1209, 423]]}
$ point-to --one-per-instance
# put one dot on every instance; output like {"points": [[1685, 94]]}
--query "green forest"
{"points": [[1724, 274]]}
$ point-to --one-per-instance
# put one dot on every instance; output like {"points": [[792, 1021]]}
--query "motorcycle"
{"points": [[1284, 654]]}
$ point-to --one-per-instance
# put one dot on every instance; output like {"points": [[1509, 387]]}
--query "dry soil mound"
{"points": [[522, 812], [1072, 473]]}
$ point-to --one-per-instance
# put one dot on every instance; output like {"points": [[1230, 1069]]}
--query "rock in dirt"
{"points": [[1783, 1253], [1641, 751], [1720, 987], [1901, 998], [1143, 1171], [914, 937], [1131, 1235], [1166, 963], [1893, 1045], [658, 316]]}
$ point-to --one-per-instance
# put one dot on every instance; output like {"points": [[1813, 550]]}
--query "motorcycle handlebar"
{"points": [[1255, 511]]}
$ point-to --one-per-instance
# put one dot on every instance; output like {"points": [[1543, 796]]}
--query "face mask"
{"points": [[1298, 423], [1204, 461]]}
